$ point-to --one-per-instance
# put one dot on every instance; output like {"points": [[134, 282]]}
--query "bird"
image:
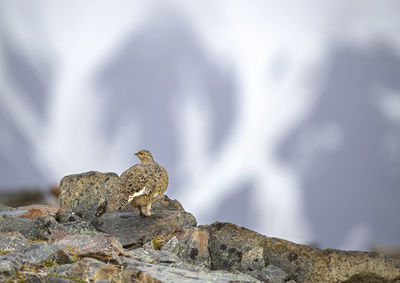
{"points": [[143, 183]]}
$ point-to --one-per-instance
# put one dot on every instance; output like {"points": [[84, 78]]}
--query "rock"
{"points": [[171, 246], [33, 229], [86, 195], [193, 246], [12, 242], [8, 266], [134, 230], [100, 246], [4, 207], [38, 210], [145, 272], [271, 274], [152, 256], [88, 270], [303, 263], [235, 248], [45, 253]]}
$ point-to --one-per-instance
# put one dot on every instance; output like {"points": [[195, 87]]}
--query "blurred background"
{"points": [[282, 117]]}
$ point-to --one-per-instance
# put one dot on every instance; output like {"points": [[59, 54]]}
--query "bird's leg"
{"points": [[147, 211]]}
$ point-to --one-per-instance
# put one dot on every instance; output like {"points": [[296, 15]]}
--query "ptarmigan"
{"points": [[143, 183]]}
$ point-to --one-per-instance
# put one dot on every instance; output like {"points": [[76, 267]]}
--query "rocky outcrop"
{"points": [[85, 239], [134, 230]]}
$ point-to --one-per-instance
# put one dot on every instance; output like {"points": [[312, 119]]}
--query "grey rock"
{"points": [[271, 274], [152, 256], [100, 246], [45, 252], [172, 245], [134, 230], [13, 241], [194, 246], [235, 248], [86, 195], [9, 265], [34, 229], [88, 270], [149, 246], [144, 272]]}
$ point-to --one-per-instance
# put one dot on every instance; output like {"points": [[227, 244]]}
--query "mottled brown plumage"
{"points": [[143, 183]]}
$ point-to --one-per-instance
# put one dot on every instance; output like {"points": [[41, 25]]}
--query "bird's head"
{"points": [[144, 155]]}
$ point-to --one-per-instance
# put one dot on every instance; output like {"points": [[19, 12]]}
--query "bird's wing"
{"points": [[135, 180]]}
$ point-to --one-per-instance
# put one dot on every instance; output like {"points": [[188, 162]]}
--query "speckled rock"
{"points": [[230, 245], [86, 195], [8, 266], [271, 274], [193, 246], [34, 229], [138, 271], [38, 210], [45, 252], [235, 248], [101, 246], [152, 256], [88, 270], [134, 230], [12, 242], [172, 245]]}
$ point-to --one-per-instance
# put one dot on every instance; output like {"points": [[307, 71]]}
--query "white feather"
{"points": [[139, 193]]}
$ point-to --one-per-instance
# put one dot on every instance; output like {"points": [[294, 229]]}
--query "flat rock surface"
{"points": [[144, 272], [134, 230]]}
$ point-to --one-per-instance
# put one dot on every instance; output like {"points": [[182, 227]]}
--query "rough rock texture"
{"points": [[84, 243], [33, 229], [12, 242], [38, 210], [86, 195], [193, 246], [45, 252], [234, 247], [145, 272], [9, 265], [88, 270], [134, 230], [100, 246]]}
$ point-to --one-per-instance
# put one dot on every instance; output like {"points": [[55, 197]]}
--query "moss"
{"points": [[5, 251]]}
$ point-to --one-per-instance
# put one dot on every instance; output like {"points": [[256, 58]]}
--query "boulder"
{"points": [[134, 230], [101, 246], [86, 195], [233, 247]]}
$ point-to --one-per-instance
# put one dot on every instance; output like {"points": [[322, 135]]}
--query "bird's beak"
{"points": [[136, 153]]}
